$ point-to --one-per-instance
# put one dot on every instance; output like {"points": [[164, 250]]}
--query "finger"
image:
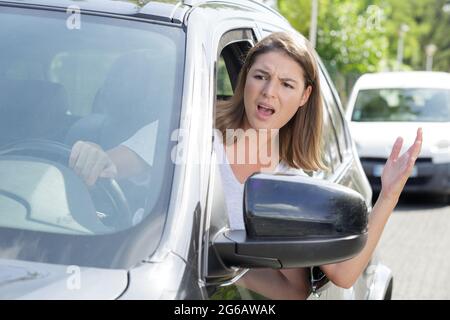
{"points": [[411, 163], [418, 142], [95, 162], [396, 149], [416, 147], [109, 172], [419, 135], [75, 153], [81, 160], [96, 171]]}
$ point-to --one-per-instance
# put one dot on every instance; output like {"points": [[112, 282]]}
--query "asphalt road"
{"points": [[416, 246]]}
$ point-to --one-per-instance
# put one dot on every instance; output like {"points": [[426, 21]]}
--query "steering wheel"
{"points": [[59, 152]]}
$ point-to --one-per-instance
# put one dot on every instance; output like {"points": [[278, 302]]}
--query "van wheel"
{"points": [[388, 294]]}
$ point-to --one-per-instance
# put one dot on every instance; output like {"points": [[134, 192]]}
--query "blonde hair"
{"points": [[300, 138]]}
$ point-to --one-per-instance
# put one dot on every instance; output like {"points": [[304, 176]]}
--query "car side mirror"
{"points": [[294, 221]]}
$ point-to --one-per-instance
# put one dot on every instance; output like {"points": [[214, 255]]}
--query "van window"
{"points": [[425, 105]]}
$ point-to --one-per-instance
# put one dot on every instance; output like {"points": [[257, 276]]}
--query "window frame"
{"points": [[232, 41], [212, 272], [334, 109]]}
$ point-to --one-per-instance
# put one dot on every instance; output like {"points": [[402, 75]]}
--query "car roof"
{"points": [[166, 10], [405, 79]]}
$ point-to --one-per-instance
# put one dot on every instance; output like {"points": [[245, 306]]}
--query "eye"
{"points": [[260, 77], [287, 85]]}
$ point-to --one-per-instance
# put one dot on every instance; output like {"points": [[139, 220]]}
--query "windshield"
{"points": [[418, 105], [109, 81]]}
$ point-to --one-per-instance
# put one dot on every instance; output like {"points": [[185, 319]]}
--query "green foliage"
{"points": [[224, 87], [437, 33], [363, 35], [358, 36], [427, 22], [234, 292], [350, 36], [354, 39]]}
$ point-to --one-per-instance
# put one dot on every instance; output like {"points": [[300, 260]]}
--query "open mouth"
{"points": [[265, 110]]}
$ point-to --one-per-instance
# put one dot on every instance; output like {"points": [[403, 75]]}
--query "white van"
{"points": [[385, 105]]}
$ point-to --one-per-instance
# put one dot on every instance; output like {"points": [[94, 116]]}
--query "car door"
{"points": [[350, 174], [219, 281]]}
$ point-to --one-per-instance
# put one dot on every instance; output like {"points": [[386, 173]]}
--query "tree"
{"points": [[361, 36], [437, 33], [351, 37]]}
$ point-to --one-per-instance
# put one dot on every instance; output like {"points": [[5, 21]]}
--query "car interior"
{"points": [[55, 93]]}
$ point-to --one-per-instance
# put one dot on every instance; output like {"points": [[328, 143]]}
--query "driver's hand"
{"points": [[90, 162]]}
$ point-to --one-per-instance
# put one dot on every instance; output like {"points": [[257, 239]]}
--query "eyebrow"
{"points": [[282, 79]]}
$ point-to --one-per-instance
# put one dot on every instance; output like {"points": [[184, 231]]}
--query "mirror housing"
{"points": [[295, 221]]}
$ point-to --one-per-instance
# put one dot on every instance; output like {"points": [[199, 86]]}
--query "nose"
{"points": [[269, 89]]}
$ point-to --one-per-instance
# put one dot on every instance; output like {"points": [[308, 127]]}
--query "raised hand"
{"points": [[398, 168]]}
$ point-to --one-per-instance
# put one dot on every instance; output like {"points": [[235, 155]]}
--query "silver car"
{"points": [[99, 71]]}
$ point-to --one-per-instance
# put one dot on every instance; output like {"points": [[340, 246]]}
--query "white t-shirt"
{"points": [[143, 143], [234, 190]]}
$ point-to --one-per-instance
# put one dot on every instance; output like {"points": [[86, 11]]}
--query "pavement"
{"points": [[416, 246]]}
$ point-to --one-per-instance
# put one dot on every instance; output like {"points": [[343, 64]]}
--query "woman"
{"points": [[278, 90]]}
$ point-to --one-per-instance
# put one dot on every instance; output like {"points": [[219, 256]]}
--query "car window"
{"points": [[112, 82], [232, 50], [224, 87], [329, 147], [402, 104], [332, 100]]}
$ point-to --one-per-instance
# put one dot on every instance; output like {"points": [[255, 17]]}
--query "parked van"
{"points": [[385, 105]]}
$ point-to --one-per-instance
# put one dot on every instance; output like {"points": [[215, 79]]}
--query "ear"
{"points": [[305, 96]]}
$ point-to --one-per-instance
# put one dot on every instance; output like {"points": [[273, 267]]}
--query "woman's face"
{"points": [[274, 90]]}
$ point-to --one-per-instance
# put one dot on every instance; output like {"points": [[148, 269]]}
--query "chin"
{"points": [[258, 124], [261, 126]]}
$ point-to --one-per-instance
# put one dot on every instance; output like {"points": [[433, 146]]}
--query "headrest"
{"points": [[129, 88], [30, 108]]}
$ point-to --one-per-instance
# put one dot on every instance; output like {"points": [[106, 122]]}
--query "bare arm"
{"points": [[294, 283], [90, 162], [127, 162], [344, 274], [395, 174]]}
